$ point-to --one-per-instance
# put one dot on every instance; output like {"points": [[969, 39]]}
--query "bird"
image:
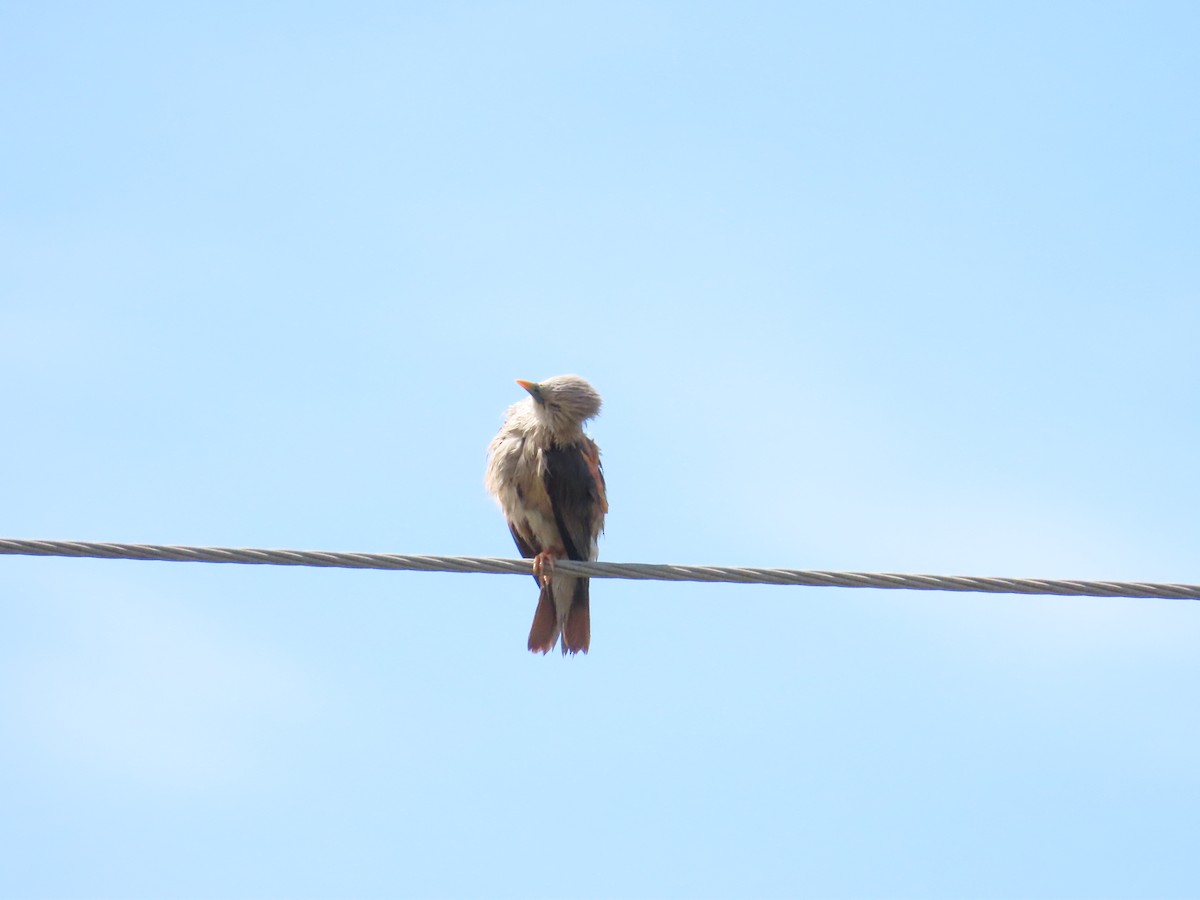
{"points": [[546, 475]]}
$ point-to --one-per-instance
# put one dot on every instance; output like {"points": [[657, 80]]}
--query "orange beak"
{"points": [[535, 389]]}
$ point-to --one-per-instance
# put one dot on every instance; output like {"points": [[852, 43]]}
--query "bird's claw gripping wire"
{"points": [[543, 565]]}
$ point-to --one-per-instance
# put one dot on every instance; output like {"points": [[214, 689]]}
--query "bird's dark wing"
{"points": [[575, 485], [523, 545]]}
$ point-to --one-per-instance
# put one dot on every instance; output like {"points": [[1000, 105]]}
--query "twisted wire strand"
{"points": [[637, 571]]}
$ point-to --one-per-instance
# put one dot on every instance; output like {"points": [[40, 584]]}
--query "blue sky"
{"points": [[870, 286]]}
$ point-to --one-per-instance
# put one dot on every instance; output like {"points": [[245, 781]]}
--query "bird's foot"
{"points": [[543, 565]]}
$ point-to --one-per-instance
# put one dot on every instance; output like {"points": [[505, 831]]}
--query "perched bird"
{"points": [[545, 472]]}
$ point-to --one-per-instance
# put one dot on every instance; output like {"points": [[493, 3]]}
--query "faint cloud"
{"points": [[141, 687], [44, 341]]}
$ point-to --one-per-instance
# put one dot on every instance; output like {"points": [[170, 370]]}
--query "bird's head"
{"points": [[563, 403]]}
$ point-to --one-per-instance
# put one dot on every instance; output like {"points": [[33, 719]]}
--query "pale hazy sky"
{"points": [[870, 286]]}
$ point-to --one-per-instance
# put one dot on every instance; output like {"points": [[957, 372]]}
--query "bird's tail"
{"points": [[576, 621], [562, 610], [543, 633]]}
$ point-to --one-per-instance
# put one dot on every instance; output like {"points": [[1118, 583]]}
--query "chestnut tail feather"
{"points": [[577, 629], [544, 630]]}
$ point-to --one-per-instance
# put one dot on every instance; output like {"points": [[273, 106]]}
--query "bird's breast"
{"points": [[515, 477]]}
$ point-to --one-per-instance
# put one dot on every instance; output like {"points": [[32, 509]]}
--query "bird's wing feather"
{"points": [[575, 485], [592, 453], [523, 545]]}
